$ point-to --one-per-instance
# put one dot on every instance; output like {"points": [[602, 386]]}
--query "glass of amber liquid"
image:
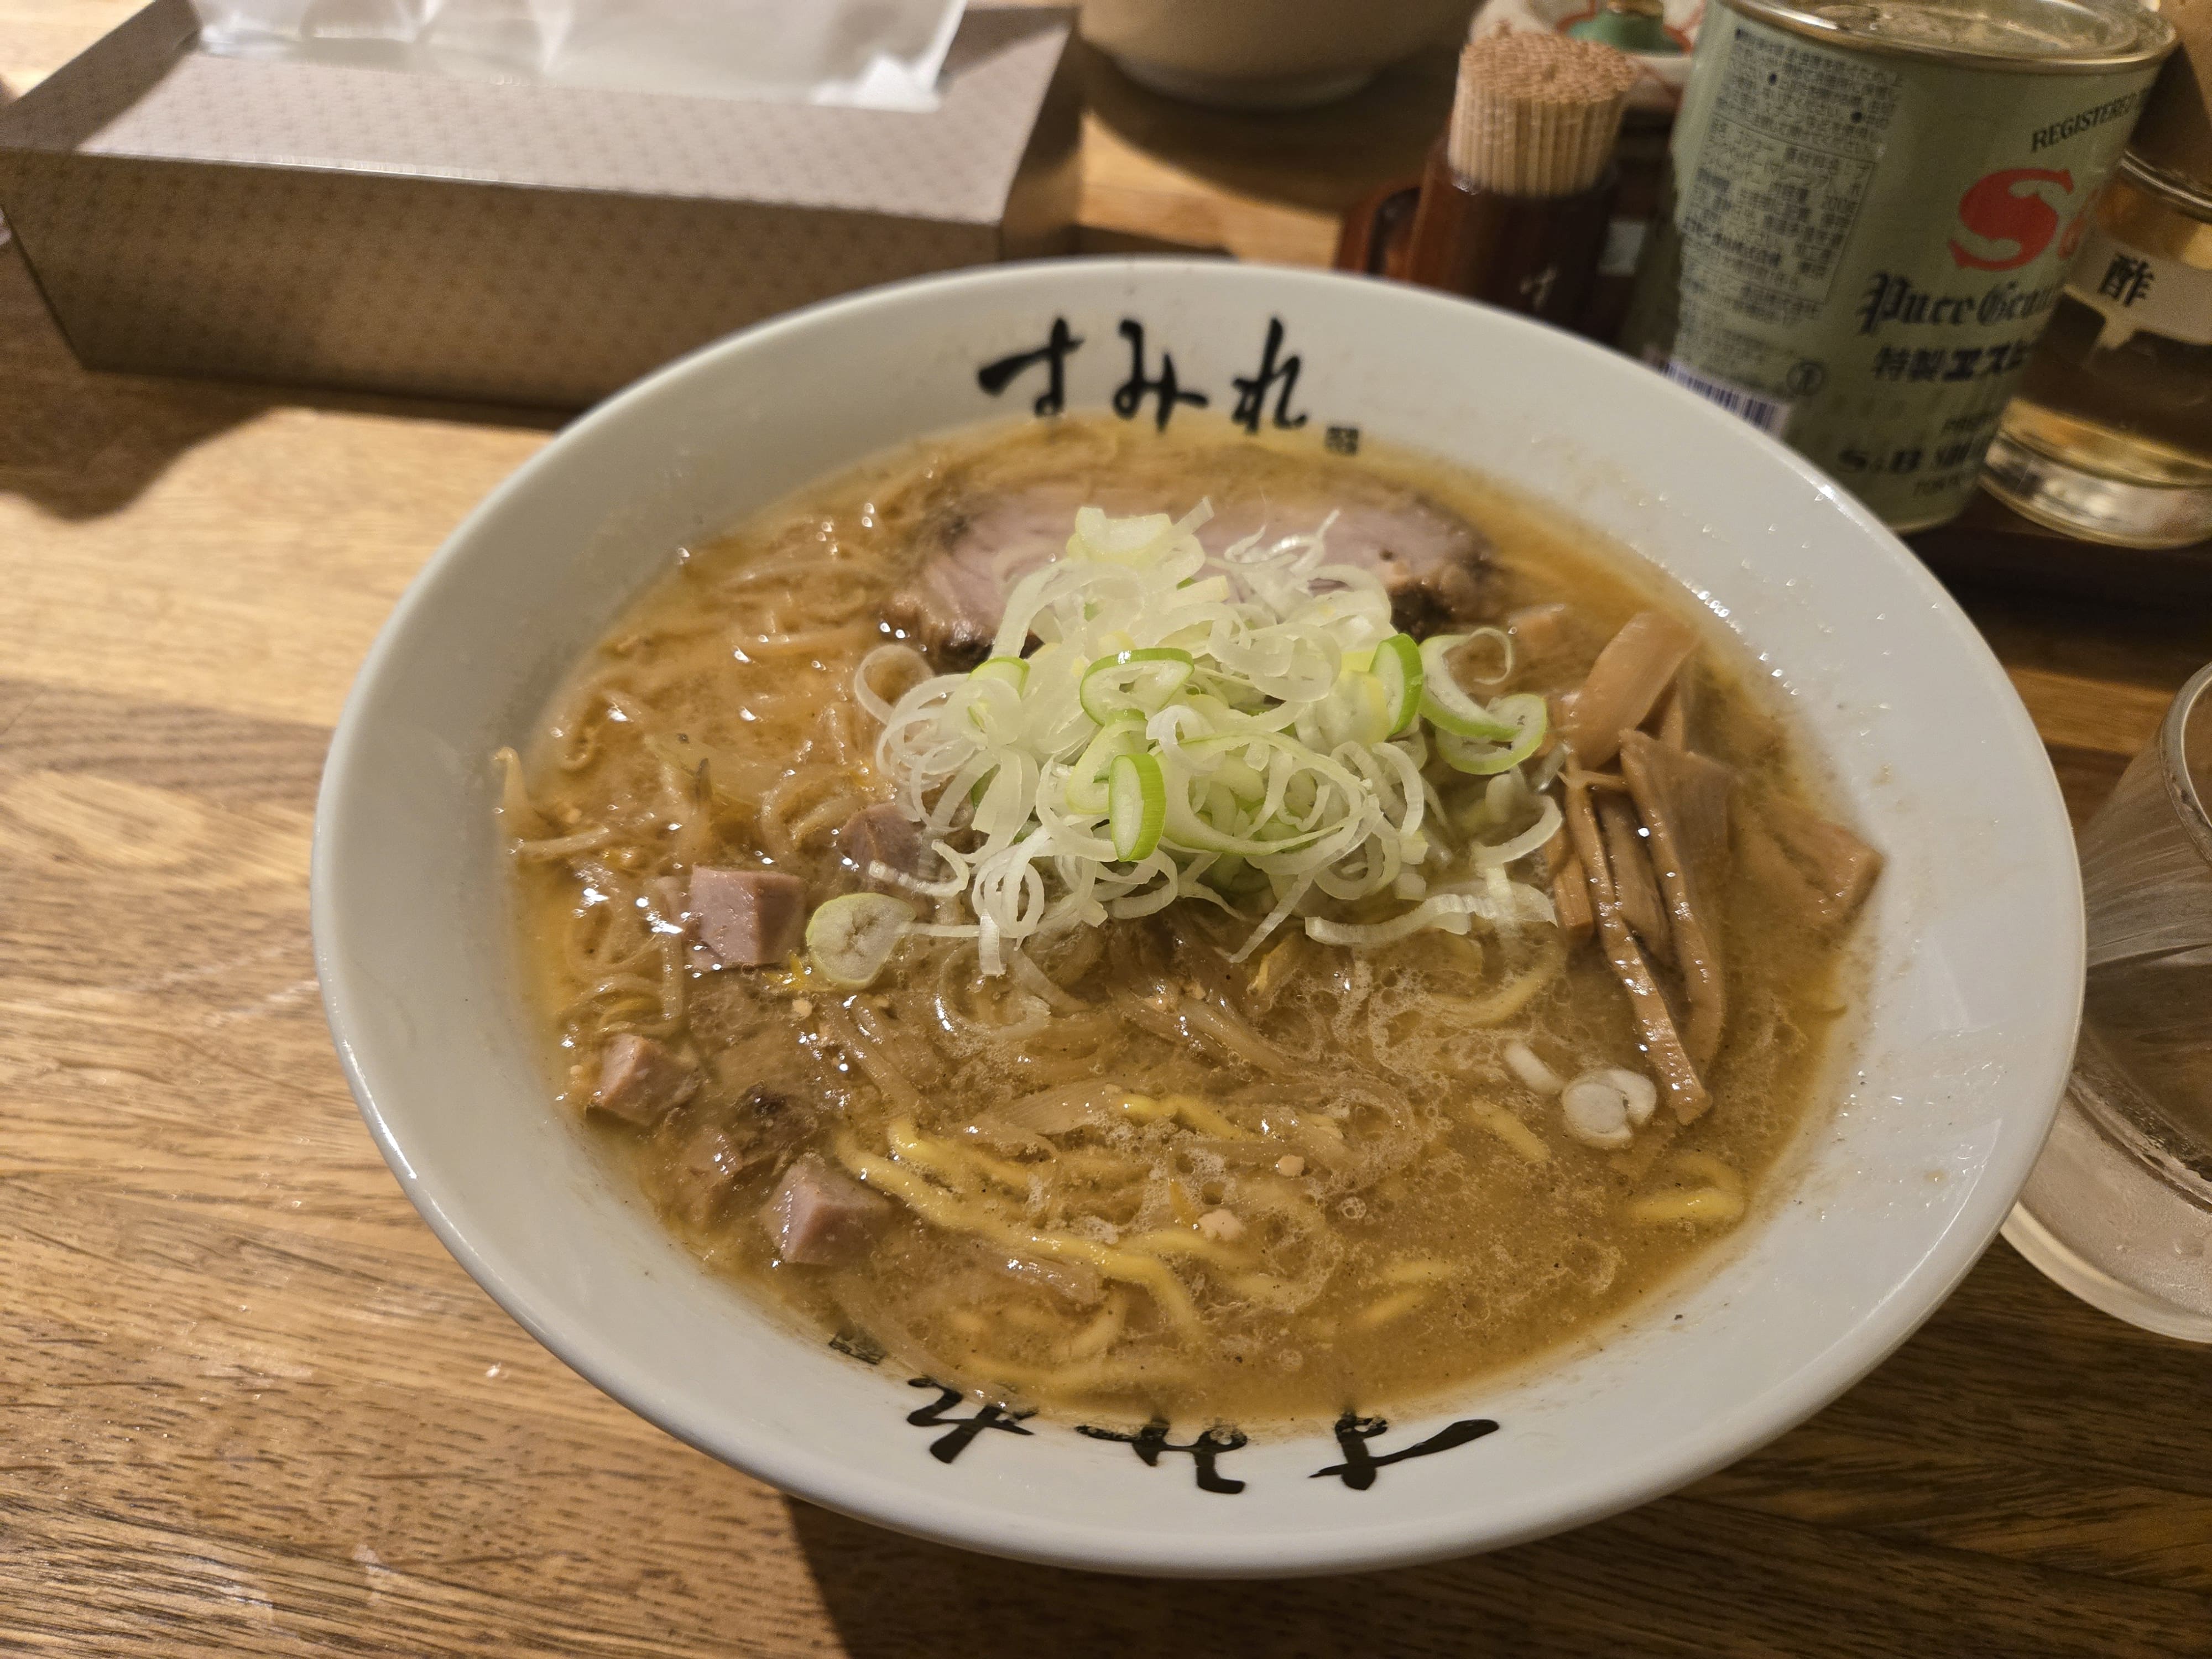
{"points": [[2119, 1207], [2110, 436]]}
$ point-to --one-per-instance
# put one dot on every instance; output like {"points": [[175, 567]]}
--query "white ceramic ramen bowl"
{"points": [[1942, 1099]]}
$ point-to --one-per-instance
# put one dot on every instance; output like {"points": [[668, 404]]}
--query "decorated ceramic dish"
{"points": [[1191, 919]]}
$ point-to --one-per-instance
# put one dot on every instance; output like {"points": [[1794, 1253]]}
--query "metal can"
{"points": [[1871, 208]]}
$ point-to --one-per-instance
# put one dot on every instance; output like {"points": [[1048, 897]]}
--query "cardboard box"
{"points": [[193, 214]]}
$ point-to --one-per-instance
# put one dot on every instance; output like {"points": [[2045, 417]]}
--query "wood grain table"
{"points": [[249, 1405]]}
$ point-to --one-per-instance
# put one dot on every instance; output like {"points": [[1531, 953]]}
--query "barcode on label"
{"points": [[1763, 412]]}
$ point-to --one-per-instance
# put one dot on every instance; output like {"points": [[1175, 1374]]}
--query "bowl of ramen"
{"points": [[1190, 919]]}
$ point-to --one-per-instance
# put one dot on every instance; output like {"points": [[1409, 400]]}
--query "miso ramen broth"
{"points": [[1229, 969]]}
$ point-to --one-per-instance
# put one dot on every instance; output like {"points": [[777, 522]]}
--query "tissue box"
{"points": [[339, 226]]}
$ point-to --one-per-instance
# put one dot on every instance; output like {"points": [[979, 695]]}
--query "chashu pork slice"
{"points": [[1435, 564]]}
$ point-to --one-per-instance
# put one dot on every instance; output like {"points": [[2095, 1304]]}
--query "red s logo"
{"points": [[2002, 208]]}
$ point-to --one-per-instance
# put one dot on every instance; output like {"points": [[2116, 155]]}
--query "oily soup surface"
{"points": [[1405, 1213]]}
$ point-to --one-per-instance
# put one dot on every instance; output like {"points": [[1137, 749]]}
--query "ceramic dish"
{"points": [[1942, 1099], [1265, 54]]}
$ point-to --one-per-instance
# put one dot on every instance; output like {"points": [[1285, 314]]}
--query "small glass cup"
{"points": [[2118, 1210]]}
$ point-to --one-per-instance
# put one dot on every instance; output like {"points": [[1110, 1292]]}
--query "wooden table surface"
{"points": [[252, 1406]]}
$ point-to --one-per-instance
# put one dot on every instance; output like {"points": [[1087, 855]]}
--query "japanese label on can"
{"points": [[1859, 250], [1795, 134]]}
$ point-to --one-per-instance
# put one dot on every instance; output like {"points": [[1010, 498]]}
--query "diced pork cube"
{"points": [[640, 1081], [704, 1151], [747, 918], [820, 1217], [880, 835]]}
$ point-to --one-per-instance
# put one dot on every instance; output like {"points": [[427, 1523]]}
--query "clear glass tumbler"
{"points": [[2119, 1208]]}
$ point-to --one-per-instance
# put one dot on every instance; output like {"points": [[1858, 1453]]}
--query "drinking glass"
{"points": [[2118, 1210]]}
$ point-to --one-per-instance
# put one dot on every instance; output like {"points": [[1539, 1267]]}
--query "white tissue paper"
{"points": [[872, 54]]}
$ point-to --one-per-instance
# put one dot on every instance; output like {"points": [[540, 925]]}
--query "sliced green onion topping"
{"points": [[1526, 719], [1133, 682], [1397, 666], [1137, 806], [1248, 725], [1086, 790], [1444, 704], [850, 938], [1356, 710]]}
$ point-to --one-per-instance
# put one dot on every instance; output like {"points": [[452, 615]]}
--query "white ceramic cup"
{"points": [[1941, 1099]]}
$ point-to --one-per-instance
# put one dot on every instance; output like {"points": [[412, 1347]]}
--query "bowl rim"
{"points": [[818, 1474]]}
